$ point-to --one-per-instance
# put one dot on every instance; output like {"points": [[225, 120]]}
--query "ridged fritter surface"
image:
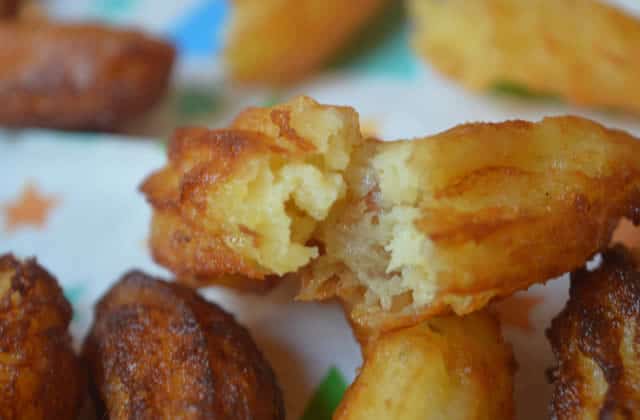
{"points": [[596, 341], [281, 41], [584, 51], [451, 221], [158, 350], [454, 368], [78, 76], [40, 376]]}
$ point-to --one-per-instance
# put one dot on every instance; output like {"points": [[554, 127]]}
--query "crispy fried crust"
{"points": [[158, 350], [9, 8], [83, 77], [596, 341], [224, 203], [444, 368], [281, 41], [40, 376], [582, 50], [471, 214]]}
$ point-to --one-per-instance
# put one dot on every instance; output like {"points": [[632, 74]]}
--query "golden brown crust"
{"points": [[596, 341], [281, 41], [195, 235], [40, 376], [446, 367], [199, 159], [502, 206], [78, 76], [584, 51], [158, 350]]}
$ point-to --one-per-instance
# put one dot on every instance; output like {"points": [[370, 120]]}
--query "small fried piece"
{"points": [[584, 51], [244, 201], [451, 221], [40, 376], [9, 8], [158, 350], [596, 341], [78, 76], [444, 368], [281, 41]]}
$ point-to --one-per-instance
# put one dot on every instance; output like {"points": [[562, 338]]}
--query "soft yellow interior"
{"points": [[391, 256], [274, 204]]}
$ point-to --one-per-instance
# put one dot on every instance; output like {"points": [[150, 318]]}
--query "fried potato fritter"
{"points": [[244, 201], [281, 41], [157, 350], [477, 212], [596, 341], [40, 376], [444, 368], [584, 51], [399, 230], [78, 76]]}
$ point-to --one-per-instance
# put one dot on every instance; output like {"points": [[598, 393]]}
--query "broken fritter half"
{"points": [[78, 76], [583, 51], [40, 375], [281, 41], [454, 368], [596, 341], [243, 202], [159, 350], [451, 221]]}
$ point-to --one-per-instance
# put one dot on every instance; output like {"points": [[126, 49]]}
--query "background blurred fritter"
{"points": [[444, 368], [596, 340], [244, 201], [9, 8], [280, 41], [581, 50], [158, 350], [74, 76], [480, 211], [40, 376]]}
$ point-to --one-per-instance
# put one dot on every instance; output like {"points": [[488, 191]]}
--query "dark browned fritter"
{"points": [[78, 76], [596, 341], [9, 8], [158, 350], [40, 376]]}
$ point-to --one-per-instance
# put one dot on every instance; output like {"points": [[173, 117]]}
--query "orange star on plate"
{"points": [[516, 310], [31, 208]]}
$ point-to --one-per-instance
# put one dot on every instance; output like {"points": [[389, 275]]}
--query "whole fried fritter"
{"points": [[596, 341], [584, 51], [451, 221], [9, 8], [78, 76], [158, 350], [40, 376], [444, 368], [244, 201], [281, 41]]}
